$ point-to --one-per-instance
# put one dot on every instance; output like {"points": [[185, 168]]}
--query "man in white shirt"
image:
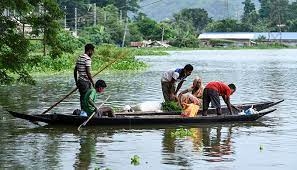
{"points": [[169, 80]]}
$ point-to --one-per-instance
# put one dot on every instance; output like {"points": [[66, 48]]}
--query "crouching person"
{"points": [[89, 99], [212, 93]]}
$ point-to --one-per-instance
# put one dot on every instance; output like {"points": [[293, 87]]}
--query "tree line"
{"points": [[114, 18]]}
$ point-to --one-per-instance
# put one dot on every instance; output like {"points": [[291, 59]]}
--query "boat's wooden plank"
{"points": [[63, 119]]}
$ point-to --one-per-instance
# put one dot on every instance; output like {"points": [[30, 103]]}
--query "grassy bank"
{"points": [[102, 56]]}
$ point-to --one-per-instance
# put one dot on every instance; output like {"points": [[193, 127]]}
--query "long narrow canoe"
{"points": [[142, 118], [63, 119]]}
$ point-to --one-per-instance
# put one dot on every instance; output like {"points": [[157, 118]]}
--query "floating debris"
{"points": [[261, 147]]}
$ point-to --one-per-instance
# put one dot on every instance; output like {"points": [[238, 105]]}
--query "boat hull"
{"points": [[62, 119], [150, 118]]}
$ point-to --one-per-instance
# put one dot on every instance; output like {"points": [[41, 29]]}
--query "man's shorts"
{"points": [[211, 96]]}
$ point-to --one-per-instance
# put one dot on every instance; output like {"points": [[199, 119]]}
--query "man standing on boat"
{"points": [[213, 91], [169, 80], [82, 71]]}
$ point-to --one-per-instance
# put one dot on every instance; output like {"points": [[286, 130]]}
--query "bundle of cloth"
{"points": [[147, 106], [248, 111]]}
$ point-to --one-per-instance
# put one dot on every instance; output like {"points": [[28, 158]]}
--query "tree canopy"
{"points": [[39, 15]]}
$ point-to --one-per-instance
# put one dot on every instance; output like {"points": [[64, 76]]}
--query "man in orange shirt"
{"points": [[213, 91]]}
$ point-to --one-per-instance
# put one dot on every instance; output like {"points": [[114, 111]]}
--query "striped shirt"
{"points": [[82, 63]]}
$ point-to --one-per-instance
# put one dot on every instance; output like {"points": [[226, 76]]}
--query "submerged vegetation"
{"points": [[182, 133]]}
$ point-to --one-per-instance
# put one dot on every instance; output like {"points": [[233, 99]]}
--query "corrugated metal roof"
{"points": [[277, 35], [226, 35], [249, 35]]}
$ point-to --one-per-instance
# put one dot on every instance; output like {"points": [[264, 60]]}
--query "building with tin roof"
{"points": [[249, 38]]}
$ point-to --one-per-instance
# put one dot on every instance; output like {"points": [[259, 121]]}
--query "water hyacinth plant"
{"points": [[171, 106], [135, 160], [181, 133]]}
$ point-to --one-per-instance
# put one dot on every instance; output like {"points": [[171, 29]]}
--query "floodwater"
{"points": [[260, 75]]}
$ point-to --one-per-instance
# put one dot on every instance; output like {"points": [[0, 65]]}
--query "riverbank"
{"points": [[103, 55], [129, 62]]}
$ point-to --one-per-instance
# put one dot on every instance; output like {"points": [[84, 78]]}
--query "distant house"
{"points": [[149, 43], [249, 38], [136, 44]]}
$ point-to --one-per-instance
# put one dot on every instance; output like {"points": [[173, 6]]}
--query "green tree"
{"points": [[292, 11], [250, 15], [227, 25], [276, 11], [292, 25], [124, 5], [84, 12], [14, 47], [197, 16], [97, 35], [134, 33], [113, 25], [149, 28], [185, 34], [265, 8], [262, 25], [169, 32]]}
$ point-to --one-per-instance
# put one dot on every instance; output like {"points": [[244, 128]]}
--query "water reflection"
{"points": [[95, 147], [206, 143], [86, 150], [217, 147]]}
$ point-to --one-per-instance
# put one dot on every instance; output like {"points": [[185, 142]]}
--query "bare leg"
{"points": [[219, 111], [204, 113]]}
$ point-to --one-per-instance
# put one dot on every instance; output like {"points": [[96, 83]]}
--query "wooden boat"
{"points": [[142, 118]]}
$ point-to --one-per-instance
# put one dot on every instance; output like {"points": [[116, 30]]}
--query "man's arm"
{"points": [[236, 108], [184, 91], [90, 76], [227, 101], [93, 104], [178, 87], [75, 74]]}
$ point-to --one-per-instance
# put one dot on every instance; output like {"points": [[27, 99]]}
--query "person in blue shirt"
{"points": [[169, 80]]}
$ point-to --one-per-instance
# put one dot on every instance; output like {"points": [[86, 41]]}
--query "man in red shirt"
{"points": [[213, 91]]}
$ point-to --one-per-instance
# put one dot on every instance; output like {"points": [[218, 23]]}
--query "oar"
{"points": [[99, 71], [85, 122]]}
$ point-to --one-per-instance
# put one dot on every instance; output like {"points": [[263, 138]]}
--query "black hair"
{"points": [[232, 86], [100, 83], [89, 47], [189, 67]]}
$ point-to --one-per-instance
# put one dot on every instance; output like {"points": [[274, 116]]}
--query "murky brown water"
{"points": [[260, 75]]}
